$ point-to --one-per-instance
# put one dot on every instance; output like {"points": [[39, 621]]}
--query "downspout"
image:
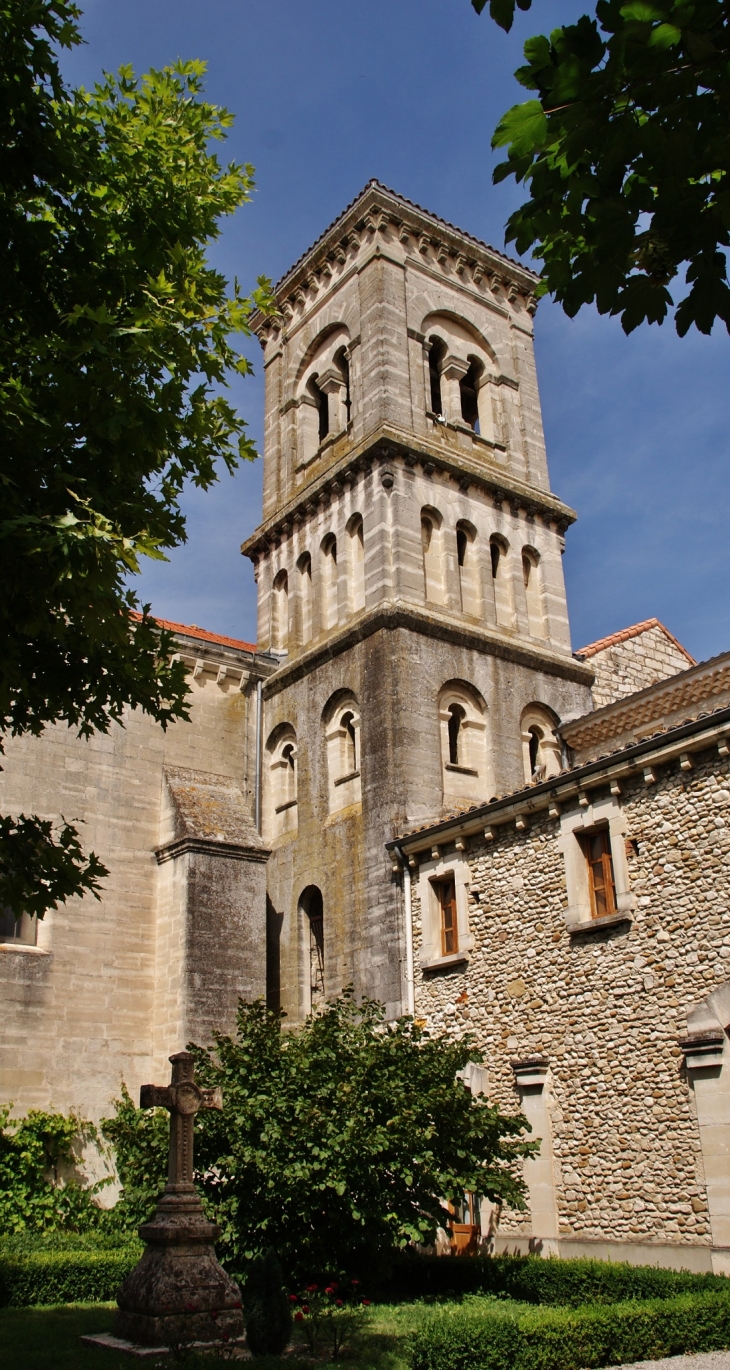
{"points": [[410, 987], [259, 746]]}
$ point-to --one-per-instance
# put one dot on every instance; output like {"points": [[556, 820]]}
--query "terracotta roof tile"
{"points": [[192, 630], [634, 631]]}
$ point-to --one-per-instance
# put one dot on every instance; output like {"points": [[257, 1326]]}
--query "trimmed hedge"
{"points": [[533, 1279], [571, 1339], [58, 1276]]}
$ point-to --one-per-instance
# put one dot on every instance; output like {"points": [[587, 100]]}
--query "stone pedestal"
{"points": [[178, 1292]]}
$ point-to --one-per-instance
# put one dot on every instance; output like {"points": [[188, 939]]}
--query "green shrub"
{"points": [[56, 1276], [39, 1185], [531, 1279], [569, 1339], [266, 1307]]}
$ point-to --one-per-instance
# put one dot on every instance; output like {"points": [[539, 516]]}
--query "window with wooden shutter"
{"points": [[446, 891], [597, 849]]}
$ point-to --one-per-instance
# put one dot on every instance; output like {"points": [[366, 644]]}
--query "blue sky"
{"points": [[327, 94]]}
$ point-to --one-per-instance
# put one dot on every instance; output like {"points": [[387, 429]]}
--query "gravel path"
{"points": [[706, 1360]]}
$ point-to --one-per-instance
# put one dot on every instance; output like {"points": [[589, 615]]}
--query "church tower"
{"points": [[409, 580]]}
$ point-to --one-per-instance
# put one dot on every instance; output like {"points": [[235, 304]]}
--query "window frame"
{"points": [[448, 925], [605, 860]]}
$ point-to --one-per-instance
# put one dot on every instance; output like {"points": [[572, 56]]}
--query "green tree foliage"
{"points": [[338, 1139], [626, 156], [39, 1187], [114, 356], [140, 1138]]}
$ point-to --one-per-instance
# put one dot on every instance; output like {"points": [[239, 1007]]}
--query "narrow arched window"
{"points": [[533, 598], [495, 552], [461, 545], [343, 366], [323, 409], [356, 569], [469, 589], [456, 718], [329, 579], [280, 612], [347, 722], [468, 387], [304, 567], [436, 355], [534, 749], [433, 571], [312, 910], [280, 790]]}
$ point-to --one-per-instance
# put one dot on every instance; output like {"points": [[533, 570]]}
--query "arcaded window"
{"points": [[342, 736], [304, 571], [533, 596], [356, 567], [311, 909], [540, 747], [437, 352], [501, 579], [280, 612], [601, 884], [463, 725], [433, 567], [323, 411], [329, 581], [281, 797], [21, 932], [466, 556], [469, 386]]}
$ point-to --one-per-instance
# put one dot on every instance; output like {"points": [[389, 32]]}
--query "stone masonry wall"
{"points": [[606, 1008], [634, 664]]}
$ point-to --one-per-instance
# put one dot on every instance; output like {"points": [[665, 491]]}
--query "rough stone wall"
{"points": [[606, 1007], [78, 1010], [634, 664]]}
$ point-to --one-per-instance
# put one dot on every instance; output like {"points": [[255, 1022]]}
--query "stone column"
{"points": [[453, 370], [707, 1059], [531, 1077], [333, 386]]}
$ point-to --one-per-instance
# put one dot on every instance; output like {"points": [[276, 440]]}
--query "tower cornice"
{"points": [[390, 444], [378, 213]]}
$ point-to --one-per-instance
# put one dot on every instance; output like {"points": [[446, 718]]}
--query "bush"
{"points": [[57, 1276], [531, 1279], [569, 1339], [39, 1184], [266, 1307]]}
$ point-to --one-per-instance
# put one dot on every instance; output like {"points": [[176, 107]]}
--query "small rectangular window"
{"points": [[21, 931], [597, 849], [446, 893]]}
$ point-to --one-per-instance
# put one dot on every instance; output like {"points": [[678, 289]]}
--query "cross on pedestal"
{"points": [[184, 1099]]}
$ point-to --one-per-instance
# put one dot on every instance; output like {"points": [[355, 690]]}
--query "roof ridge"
{"points": [[413, 205], [635, 630]]}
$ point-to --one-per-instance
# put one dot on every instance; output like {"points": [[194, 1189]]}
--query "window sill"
{"points": [[461, 770], [281, 808], [610, 920], [457, 958], [343, 779], [24, 948]]}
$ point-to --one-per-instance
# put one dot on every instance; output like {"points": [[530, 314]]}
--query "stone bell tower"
{"points": [[409, 577]]}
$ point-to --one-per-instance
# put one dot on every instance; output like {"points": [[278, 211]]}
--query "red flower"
{"points": [[292, 1299], [298, 1316], [366, 1303], [338, 1302], [335, 1285], [354, 1281], [311, 1288], [305, 1307], [330, 1289]]}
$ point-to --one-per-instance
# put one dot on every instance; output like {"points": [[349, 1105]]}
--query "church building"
{"points": [[411, 784]]}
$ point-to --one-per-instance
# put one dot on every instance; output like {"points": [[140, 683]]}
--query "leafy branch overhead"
{"points": [[115, 352], [625, 152]]}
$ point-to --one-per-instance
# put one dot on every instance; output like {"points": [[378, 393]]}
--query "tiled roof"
{"points": [[635, 631], [192, 630], [412, 205]]}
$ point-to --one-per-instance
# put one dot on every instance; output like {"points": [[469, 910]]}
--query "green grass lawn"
{"points": [[48, 1338]]}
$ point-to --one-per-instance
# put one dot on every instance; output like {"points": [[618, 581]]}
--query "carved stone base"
{"points": [[178, 1292]]}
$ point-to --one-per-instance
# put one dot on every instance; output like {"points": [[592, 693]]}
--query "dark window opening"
{"points": [[311, 905], [495, 553], [348, 723], [468, 389], [456, 718], [535, 740], [462, 543], [435, 358], [288, 755], [323, 409], [21, 930], [426, 533], [343, 366]]}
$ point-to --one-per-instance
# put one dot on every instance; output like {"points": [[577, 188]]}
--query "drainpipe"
{"points": [[410, 988], [259, 742]]}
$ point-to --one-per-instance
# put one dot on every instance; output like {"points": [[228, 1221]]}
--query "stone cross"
{"points": [[183, 1098]]}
